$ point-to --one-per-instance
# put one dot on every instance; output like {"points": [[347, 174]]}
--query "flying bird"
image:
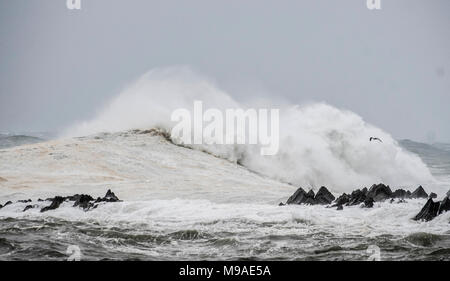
{"points": [[374, 138]]}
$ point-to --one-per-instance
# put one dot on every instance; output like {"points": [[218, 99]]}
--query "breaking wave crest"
{"points": [[319, 144]]}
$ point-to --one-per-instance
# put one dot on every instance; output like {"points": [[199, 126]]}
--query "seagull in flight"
{"points": [[374, 139]]}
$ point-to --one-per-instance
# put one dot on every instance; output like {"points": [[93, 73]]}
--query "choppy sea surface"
{"points": [[184, 204]]}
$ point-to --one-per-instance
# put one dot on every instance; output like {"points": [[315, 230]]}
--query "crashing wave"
{"points": [[319, 144]]}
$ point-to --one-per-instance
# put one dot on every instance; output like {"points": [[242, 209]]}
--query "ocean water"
{"points": [[210, 202], [185, 204]]}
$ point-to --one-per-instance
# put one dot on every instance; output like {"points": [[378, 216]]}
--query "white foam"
{"points": [[319, 144], [204, 215], [170, 188]]}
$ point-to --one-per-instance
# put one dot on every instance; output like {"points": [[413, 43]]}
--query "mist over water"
{"points": [[319, 144]]}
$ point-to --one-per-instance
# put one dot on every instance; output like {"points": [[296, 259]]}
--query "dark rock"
{"points": [[401, 193], [281, 204], [379, 192], [310, 198], [76, 197], [432, 195], [444, 205], [28, 207], [429, 211], [297, 198], [1, 206], [357, 197], [55, 204], [109, 197], [323, 196], [365, 198], [419, 193], [368, 203], [343, 199], [83, 201]]}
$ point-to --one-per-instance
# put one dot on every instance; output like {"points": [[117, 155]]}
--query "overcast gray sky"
{"points": [[390, 66]]}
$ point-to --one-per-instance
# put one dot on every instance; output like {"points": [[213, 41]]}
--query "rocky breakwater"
{"points": [[366, 198], [84, 201]]}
